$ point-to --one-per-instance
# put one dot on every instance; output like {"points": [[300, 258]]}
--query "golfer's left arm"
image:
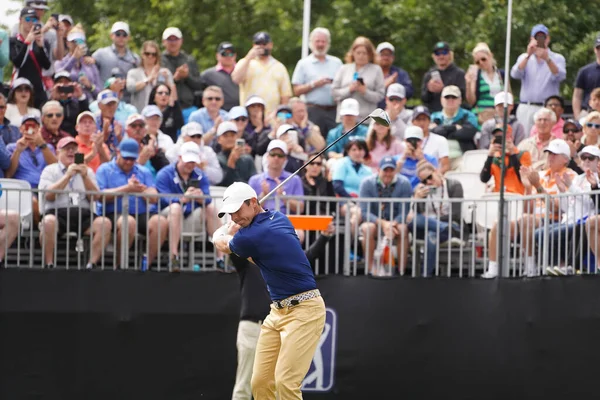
{"points": [[221, 239]]}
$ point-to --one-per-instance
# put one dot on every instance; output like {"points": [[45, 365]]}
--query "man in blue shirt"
{"points": [[407, 162], [588, 78], [392, 74], [186, 213], [290, 334], [211, 115], [121, 176], [9, 133]]}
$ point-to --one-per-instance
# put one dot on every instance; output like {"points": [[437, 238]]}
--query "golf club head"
{"points": [[381, 117]]}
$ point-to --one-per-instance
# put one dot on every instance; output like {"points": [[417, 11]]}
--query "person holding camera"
{"points": [[71, 97], [444, 73], [259, 73], [91, 141], [406, 163], [70, 211], [237, 166], [29, 53], [150, 154]]}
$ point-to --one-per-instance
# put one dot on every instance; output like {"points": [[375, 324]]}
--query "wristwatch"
{"points": [[539, 189], [42, 146]]}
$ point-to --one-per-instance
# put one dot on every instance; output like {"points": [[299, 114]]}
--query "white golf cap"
{"points": [[396, 90], [254, 99], [413, 131], [234, 196], [385, 46], [86, 114], [191, 129], [283, 129], [559, 146], [65, 17], [226, 126], [499, 98], [107, 96], [133, 118], [451, 90], [172, 31], [593, 150], [350, 107], [120, 26], [278, 144], [190, 152]]}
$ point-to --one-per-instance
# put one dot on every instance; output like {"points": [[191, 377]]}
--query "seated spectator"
{"points": [[153, 118], [309, 134], [573, 134], [212, 114], [150, 155], [563, 236], [591, 129], [412, 155], [456, 124], [392, 74], [387, 217], [557, 104], [518, 130], [433, 144], [360, 78], [296, 157], [544, 120], [437, 219], [141, 80], [237, 166], [9, 132], [352, 169], [172, 119], [315, 183], [395, 106], [4, 60], [111, 129], [513, 160], [116, 84], [9, 229], [21, 102], [29, 156], [349, 110], [382, 144], [484, 81], [70, 96], [52, 117], [123, 176], [188, 213], [86, 74], [30, 53], [220, 75], [71, 211], [257, 123], [210, 167], [239, 116], [91, 141], [444, 73], [544, 182]]}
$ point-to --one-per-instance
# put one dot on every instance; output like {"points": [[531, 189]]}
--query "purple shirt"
{"points": [[292, 188], [537, 81], [69, 63]]}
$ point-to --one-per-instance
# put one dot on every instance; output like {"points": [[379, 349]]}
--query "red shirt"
{"points": [[51, 138]]}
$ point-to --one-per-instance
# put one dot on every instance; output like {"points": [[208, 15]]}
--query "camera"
{"points": [[66, 89], [240, 142], [37, 27], [195, 183], [414, 142], [497, 139]]}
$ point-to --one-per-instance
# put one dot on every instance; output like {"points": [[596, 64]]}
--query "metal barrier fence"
{"points": [[559, 239]]}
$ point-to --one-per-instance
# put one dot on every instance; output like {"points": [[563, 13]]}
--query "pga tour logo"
{"points": [[322, 369]]}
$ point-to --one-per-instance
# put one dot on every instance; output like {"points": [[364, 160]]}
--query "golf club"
{"points": [[378, 115]]}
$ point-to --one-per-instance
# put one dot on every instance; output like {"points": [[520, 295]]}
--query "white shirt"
{"points": [[15, 117], [436, 146], [581, 205]]}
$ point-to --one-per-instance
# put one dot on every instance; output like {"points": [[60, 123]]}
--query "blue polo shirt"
{"points": [[110, 176], [272, 243], [202, 117], [169, 181], [31, 164], [409, 169]]}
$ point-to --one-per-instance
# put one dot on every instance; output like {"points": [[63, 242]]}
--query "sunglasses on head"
{"points": [[121, 34], [241, 119], [148, 54], [427, 179], [31, 19], [483, 59], [441, 52], [278, 155], [213, 98], [52, 115], [587, 157], [592, 125]]}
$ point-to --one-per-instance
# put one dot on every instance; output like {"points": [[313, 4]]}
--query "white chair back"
{"points": [[473, 161], [18, 199], [473, 189], [486, 212]]}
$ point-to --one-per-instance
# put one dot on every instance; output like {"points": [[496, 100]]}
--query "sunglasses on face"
{"points": [[121, 34], [196, 136], [227, 54], [587, 157], [31, 19], [148, 54], [137, 126], [162, 93], [317, 163], [427, 179], [129, 159], [213, 98], [592, 125], [441, 52], [481, 60], [570, 130], [53, 115], [241, 119], [278, 155], [451, 97]]}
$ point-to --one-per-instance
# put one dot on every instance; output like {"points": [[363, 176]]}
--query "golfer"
{"points": [[290, 333]]}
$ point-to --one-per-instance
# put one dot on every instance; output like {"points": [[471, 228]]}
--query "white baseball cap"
{"points": [[172, 31], [254, 99], [385, 46], [593, 150], [350, 107], [226, 126], [283, 129], [234, 196], [86, 114], [413, 131], [396, 90], [499, 98], [192, 128], [451, 90], [559, 146], [190, 152], [133, 118], [278, 144], [120, 26]]}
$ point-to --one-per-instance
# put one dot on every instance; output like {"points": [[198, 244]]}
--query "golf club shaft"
{"points": [[276, 188]]}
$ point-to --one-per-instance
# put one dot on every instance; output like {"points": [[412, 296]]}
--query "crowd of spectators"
{"points": [[135, 120]]}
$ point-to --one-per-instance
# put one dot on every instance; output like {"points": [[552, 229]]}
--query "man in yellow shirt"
{"points": [[259, 73]]}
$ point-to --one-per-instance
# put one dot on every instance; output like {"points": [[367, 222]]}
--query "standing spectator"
{"points": [[118, 55], [121, 177], [594, 103], [349, 111], [541, 71], [91, 141], [395, 106], [29, 53], [116, 84], [588, 78], [141, 80], [172, 119], [184, 69], [4, 52], [308, 132], [557, 104], [74, 63], [360, 78], [433, 144], [257, 124], [407, 162], [70, 212], [484, 82], [220, 75], [153, 118], [312, 78], [259, 73], [212, 114], [391, 73], [8, 132], [518, 131], [237, 166], [21, 101], [536, 145], [150, 155], [444, 73], [381, 144], [52, 117], [70, 95], [112, 130]]}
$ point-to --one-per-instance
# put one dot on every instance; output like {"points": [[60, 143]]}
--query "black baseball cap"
{"points": [[225, 46], [420, 110], [441, 46], [261, 38], [28, 12], [597, 41]]}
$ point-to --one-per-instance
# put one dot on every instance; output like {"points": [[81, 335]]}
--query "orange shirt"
{"points": [[512, 184], [87, 149]]}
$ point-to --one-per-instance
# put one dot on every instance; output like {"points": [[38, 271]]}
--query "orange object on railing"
{"points": [[311, 222]]}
